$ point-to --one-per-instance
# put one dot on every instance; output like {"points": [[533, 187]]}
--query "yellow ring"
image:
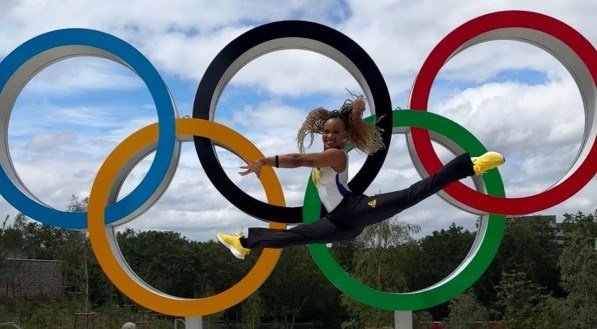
{"points": [[106, 249]]}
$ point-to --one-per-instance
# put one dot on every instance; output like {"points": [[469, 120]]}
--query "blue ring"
{"points": [[166, 117]]}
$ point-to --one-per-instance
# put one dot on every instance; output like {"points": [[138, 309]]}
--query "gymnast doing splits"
{"points": [[348, 213]]}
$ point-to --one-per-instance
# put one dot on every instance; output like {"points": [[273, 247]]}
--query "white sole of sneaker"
{"points": [[232, 249]]}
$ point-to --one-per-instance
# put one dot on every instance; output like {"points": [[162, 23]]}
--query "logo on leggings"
{"points": [[372, 203]]}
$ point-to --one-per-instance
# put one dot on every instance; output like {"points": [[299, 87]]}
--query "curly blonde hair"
{"points": [[365, 136]]}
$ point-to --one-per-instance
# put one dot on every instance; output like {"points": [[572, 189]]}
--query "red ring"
{"points": [[441, 54]]}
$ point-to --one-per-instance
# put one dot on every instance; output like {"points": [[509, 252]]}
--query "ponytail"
{"points": [[364, 135]]}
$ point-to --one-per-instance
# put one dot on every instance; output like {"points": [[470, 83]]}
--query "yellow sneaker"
{"points": [[232, 242], [487, 161]]}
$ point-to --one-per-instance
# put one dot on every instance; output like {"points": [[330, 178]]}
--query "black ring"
{"points": [[277, 36]]}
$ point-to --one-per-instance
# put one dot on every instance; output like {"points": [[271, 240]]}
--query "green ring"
{"points": [[484, 249]]}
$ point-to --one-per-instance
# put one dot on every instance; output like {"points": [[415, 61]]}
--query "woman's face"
{"points": [[334, 134]]}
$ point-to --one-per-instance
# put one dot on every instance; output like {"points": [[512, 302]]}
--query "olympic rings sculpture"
{"points": [[104, 213]]}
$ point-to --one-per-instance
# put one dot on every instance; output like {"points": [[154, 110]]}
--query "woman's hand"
{"points": [[252, 167]]}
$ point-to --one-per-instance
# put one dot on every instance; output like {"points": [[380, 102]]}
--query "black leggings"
{"points": [[356, 212]]}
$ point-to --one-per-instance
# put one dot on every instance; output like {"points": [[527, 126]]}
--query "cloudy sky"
{"points": [[513, 96]]}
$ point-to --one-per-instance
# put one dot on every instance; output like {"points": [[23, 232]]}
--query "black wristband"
{"points": [[276, 161]]}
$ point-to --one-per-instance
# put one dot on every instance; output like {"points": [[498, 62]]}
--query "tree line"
{"points": [[536, 280]]}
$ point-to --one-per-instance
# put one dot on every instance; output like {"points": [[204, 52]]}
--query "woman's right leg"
{"points": [[321, 231]]}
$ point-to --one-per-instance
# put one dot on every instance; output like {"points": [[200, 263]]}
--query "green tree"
{"points": [[379, 263], [578, 264], [297, 291], [13, 239], [434, 257], [253, 310], [518, 296], [163, 259], [554, 313], [528, 246], [465, 309], [3, 242], [438, 255], [387, 234]]}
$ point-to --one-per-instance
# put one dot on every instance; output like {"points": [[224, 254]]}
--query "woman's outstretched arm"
{"points": [[334, 158]]}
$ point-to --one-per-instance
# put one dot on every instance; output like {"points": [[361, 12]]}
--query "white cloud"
{"points": [[80, 74], [539, 127], [271, 114], [48, 142], [296, 73]]}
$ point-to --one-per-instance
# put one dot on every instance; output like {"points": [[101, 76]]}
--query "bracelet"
{"points": [[276, 161]]}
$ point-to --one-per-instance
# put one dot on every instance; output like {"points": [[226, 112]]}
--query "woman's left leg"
{"points": [[321, 231]]}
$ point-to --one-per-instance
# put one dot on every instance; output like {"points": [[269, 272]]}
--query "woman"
{"points": [[348, 214]]}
